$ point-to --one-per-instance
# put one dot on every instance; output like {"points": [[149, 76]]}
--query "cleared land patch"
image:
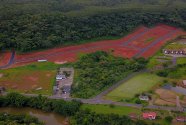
{"points": [[28, 80], [137, 84], [175, 46], [166, 97]]}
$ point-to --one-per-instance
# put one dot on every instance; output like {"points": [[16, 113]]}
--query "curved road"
{"points": [[97, 99]]}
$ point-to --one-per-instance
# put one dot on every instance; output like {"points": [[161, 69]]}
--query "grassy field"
{"points": [[175, 46], [28, 80], [106, 109], [138, 84], [181, 60]]}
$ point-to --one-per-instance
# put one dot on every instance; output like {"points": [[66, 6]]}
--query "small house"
{"points": [[181, 118], [66, 88], [184, 82], [141, 97], [150, 115], [133, 115]]}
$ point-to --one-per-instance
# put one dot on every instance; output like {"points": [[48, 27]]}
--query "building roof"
{"points": [[181, 117], [143, 97], [149, 115], [66, 87], [184, 82], [133, 115]]}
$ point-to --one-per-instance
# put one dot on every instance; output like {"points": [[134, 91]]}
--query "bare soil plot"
{"points": [[167, 97], [5, 58], [28, 80], [146, 39]]}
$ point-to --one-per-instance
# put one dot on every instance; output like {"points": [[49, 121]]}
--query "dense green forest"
{"points": [[39, 24], [46, 104], [21, 119], [100, 69]]}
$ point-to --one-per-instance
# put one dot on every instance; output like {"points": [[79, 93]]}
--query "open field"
{"points": [[128, 46], [106, 109], [138, 84], [181, 60], [28, 80], [166, 97], [175, 46], [156, 33]]}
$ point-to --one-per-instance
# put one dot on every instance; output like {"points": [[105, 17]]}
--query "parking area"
{"points": [[64, 80]]}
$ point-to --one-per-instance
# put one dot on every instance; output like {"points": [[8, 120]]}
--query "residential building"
{"points": [[133, 115], [141, 97], [181, 118], [66, 88], [150, 115], [184, 82]]}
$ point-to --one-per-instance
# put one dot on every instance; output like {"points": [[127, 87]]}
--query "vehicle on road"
{"points": [[159, 107]]}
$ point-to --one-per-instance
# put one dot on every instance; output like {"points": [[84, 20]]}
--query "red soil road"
{"points": [[168, 27], [156, 32], [72, 56], [5, 58], [151, 51], [87, 45]]}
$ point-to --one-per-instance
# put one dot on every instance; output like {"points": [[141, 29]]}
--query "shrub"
{"points": [[111, 49], [174, 83], [127, 100], [33, 65], [165, 80], [162, 73], [169, 118], [158, 117], [138, 102], [112, 106]]}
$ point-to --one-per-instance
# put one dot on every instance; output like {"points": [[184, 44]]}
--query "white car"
{"points": [[64, 97]]}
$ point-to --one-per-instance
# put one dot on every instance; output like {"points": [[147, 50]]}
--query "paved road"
{"points": [[97, 99], [123, 44]]}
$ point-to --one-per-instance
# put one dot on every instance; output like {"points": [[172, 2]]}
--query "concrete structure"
{"points": [[66, 88], [150, 115], [181, 118], [174, 51], [58, 77], [133, 115], [1, 75], [54, 90], [184, 82], [42, 60], [141, 97]]}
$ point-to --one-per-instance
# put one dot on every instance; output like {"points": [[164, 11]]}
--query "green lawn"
{"points": [[138, 84], [105, 109], [181, 60]]}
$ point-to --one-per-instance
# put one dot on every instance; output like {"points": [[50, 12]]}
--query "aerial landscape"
{"points": [[93, 62]]}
